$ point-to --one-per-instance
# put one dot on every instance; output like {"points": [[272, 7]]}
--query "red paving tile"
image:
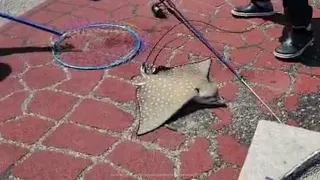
{"points": [[196, 48], [230, 150], [82, 132], [123, 12], [254, 37], [224, 117], [9, 154], [9, 85], [68, 21], [79, 139], [16, 62], [26, 129], [225, 174], [151, 164], [245, 56], [81, 82], [6, 41], [61, 7], [110, 88], [51, 104], [42, 77], [305, 84], [267, 60], [164, 138], [292, 122], [96, 15], [50, 165], [109, 5], [105, 171], [220, 73], [11, 106], [42, 16], [126, 71], [199, 6], [274, 79], [179, 59], [309, 70], [291, 102], [229, 91], [196, 159], [37, 58], [103, 115]]}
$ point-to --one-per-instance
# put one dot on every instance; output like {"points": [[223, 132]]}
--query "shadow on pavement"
{"points": [[5, 71], [311, 56], [21, 50], [190, 108]]}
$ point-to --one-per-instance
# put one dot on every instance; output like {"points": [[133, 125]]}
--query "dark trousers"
{"points": [[298, 12]]}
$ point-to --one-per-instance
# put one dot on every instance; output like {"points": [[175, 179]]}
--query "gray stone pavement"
{"points": [[17, 7]]}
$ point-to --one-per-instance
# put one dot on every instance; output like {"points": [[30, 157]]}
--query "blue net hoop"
{"points": [[126, 58]]}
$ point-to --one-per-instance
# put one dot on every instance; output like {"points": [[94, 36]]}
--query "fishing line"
{"points": [[171, 8], [176, 25]]}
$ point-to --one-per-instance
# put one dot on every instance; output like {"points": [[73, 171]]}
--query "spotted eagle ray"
{"points": [[163, 91]]}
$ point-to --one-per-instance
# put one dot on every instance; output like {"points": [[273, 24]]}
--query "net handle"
{"points": [[31, 24]]}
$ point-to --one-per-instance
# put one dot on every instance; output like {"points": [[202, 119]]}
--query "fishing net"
{"points": [[96, 46]]}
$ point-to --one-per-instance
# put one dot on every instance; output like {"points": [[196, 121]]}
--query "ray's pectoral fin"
{"points": [[203, 66], [156, 107]]}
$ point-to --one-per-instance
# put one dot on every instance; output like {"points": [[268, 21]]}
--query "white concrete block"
{"points": [[276, 149]]}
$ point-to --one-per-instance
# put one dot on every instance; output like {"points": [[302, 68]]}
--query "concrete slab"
{"points": [[17, 7], [276, 149]]}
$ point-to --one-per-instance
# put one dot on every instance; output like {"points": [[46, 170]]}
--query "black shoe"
{"points": [[295, 43], [254, 10]]}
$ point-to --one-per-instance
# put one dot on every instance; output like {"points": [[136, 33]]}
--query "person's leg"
{"points": [[256, 8], [298, 14]]}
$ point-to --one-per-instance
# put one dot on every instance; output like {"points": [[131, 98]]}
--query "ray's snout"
{"points": [[211, 100], [219, 100]]}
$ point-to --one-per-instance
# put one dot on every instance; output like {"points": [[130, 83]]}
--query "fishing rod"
{"points": [[159, 10]]}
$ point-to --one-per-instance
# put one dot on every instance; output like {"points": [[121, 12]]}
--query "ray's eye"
{"points": [[197, 89]]}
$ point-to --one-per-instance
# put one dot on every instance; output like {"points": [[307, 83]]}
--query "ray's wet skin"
{"points": [[163, 91]]}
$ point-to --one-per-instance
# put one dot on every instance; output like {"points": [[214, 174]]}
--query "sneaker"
{"points": [[257, 9], [295, 43]]}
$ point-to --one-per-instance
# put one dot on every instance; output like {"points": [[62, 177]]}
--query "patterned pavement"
{"points": [[63, 124]]}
